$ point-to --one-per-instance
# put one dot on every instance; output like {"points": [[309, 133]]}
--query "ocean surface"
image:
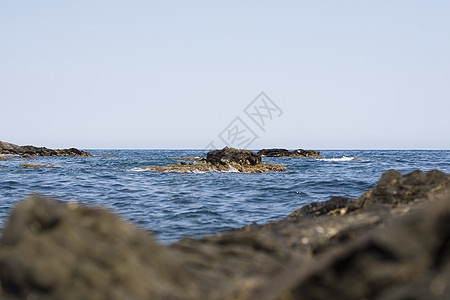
{"points": [[172, 206]]}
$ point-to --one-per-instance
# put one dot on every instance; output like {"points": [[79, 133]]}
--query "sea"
{"points": [[172, 206]]}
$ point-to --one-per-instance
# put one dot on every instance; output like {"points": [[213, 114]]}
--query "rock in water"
{"points": [[11, 149], [232, 155], [287, 153], [225, 160]]}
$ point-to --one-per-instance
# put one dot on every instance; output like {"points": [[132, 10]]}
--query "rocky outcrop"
{"points": [[287, 153], [225, 160], [390, 243], [11, 149], [232, 155]]}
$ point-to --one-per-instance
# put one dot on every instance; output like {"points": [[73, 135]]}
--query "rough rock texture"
{"points": [[391, 243], [287, 153], [225, 160], [3, 158], [232, 155], [11, 149]]}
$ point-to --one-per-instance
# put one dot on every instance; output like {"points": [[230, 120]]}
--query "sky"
{"points": [[189, 74]]}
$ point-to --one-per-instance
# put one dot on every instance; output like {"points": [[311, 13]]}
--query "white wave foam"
{"points": [[137, 169], [343, 158], [231, 169]]}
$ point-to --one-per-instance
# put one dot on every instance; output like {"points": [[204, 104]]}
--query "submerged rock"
{"points": [[12, 149], [391, 243], [287, 153], [37, 166], [225, 160]]}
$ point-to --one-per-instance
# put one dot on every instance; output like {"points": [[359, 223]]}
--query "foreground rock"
{"points": [[225, 160], [287, 153], [51, 250], [391, 243], [12, 149]]}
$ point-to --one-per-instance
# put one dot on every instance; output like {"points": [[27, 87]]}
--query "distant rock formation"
{"points": [[12, 149], [287, 153], [225, 160], [390, 243]]}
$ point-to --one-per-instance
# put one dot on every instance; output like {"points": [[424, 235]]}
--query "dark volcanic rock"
{"points": [[274, 152], [11, 149], [287, 153], [232, 155], [393, 188], [391, 243]]}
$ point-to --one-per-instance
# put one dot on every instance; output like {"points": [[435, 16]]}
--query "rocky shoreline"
{"points": [[390, 243], [12, 149]]}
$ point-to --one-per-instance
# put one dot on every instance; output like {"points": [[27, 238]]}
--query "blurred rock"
{"points": [[406, 258], [53, 250]]}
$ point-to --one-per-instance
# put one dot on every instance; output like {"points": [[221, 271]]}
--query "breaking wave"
{"points": [[343, 158]]}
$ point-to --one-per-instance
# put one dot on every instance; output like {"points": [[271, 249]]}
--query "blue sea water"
{"points": [[173, 206]]}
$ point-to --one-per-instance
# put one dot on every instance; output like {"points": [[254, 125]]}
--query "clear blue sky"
{"points": [[174, 74]]}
